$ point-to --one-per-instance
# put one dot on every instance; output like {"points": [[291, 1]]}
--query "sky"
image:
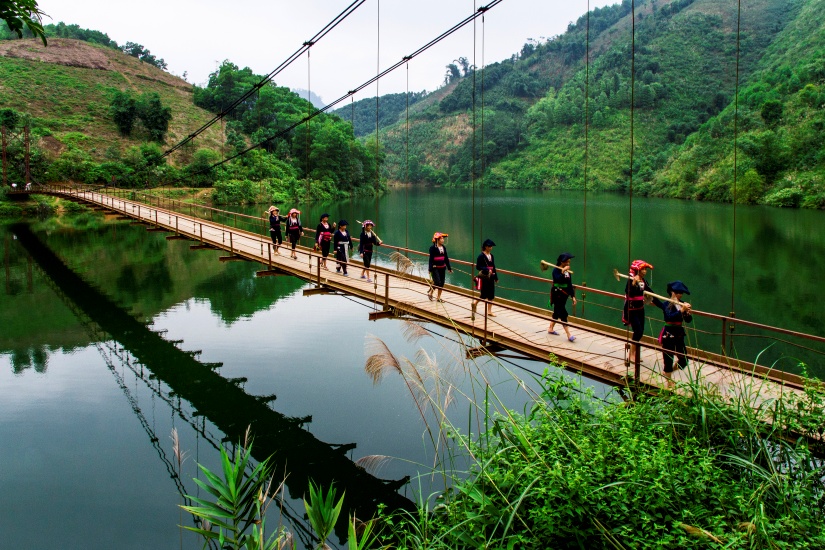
{"points": [[195, 36]]}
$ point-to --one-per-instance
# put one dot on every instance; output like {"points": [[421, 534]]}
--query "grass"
{"points": [[684, 469], [65, 99]]}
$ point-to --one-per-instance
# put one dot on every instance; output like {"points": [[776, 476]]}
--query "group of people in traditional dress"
{"points": [[327, 235], [676, 312]]}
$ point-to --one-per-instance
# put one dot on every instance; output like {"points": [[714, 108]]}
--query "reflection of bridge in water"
{"points": [[293, 449], [599, 351]]}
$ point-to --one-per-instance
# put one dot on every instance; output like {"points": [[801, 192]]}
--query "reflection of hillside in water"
{"points": [[222, 401], [134, 267]]}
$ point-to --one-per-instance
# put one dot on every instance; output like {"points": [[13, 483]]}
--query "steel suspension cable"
{"points": [[452, 30], [377, 82], [586, 144], [735, 160], [481, 187], [407, 171], [308, 127], [632, 143], [284, 64]]}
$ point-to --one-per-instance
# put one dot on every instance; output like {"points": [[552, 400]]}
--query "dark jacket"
{"points": [[366, 243], [342, 240], [294, 229], [562, 284], [275, 223], [673, 318], [323, 234], [635, 294], [486, 268], [439, 260]]}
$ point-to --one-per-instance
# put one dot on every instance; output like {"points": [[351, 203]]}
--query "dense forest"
{"points": [[544, 102], [94, 126], [543, 118]]}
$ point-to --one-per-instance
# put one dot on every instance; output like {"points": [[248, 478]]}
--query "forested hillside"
{"points": [[531, 131], [96, 112]]}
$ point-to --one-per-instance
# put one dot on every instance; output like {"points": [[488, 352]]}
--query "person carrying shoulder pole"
{"points": [[672, 336], [633, 313], [486, 266], [561, 290]]}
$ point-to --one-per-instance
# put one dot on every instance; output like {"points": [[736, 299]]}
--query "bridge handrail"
{"points": [[727, 320]]}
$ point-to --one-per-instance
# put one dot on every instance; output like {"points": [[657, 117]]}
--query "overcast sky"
{"points": [[194, 36]]}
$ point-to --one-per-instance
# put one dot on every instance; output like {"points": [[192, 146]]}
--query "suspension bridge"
{"points": [[155, 361], [599, 352]]}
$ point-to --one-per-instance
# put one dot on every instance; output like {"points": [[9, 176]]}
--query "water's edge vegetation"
{"points": [[681, 469]]}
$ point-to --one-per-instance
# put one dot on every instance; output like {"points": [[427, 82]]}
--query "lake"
{"points": [[113, 336]]}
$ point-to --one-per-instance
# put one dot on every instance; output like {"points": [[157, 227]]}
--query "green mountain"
{"points": [[532, 129]]}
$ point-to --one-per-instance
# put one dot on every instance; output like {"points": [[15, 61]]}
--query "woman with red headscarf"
{"points": [[633, 313]]}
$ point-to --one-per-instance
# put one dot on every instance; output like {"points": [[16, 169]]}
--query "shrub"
{"points": [[789, 197]]}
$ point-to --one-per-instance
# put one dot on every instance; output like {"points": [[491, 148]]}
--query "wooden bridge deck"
{"points": [[598, 351]]}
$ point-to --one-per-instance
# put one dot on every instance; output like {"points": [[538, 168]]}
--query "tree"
{"points": [[772, 112], [154, 115], [123, 110], [452, 73], [20, 13], [137, 50]]}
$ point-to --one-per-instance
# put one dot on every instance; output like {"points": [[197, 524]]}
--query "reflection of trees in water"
{"points": [[294, 450], [33, 357]]}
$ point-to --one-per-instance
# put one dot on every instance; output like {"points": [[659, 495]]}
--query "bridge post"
{"points": [[268, 250], [231, 246], [386, 291], [637, 363], [177, 232], [319, 272], [484, 339], [201, 224]]}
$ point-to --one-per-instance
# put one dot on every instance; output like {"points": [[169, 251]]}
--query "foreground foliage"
{"points": [[682, 470]]}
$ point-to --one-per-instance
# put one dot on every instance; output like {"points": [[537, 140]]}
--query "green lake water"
{"points": [[113, 336]]}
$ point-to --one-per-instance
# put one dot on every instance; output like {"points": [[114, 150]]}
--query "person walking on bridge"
{"points": [[672, 336], [367, 240], [486, 266], [343, 242], [294, 230], [275, 227], [561, 290], [323, 238], [439, 265], [633, 313]]}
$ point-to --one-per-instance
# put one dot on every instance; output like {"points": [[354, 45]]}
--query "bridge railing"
{"points": [[258, 226]]}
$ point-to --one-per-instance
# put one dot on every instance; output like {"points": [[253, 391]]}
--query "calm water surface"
{"points": [[90, 393]]}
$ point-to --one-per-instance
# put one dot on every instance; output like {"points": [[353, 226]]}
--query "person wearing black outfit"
{"points": [[633, 313], [294, 230], [366, 241], [672, 337], [275, 227], [342, 240], [439, 265], [562, 290], [486, 266], [323, 237]]}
